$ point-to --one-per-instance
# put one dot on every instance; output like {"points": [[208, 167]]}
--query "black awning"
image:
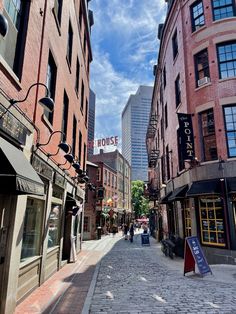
{"points": [[231, 185], [165, 199], [178, 193], [17, 176], [204, 188]]}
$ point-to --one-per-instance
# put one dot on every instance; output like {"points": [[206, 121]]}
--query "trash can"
{"points": [[99, 232]]}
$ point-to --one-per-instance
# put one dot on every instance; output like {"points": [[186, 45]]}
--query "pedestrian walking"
{"points": [[126, 229], [131, 232]]}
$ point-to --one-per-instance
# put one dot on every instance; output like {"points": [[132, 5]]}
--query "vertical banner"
{"points": [[186, 136]]}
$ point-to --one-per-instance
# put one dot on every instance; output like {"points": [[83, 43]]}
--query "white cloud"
{"points": [[124, 40]]}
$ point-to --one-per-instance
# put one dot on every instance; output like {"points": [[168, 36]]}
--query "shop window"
{"points": [[175, 45], [86, 224], [197, 15], [65, 116], [13, 46], [212, 221], [98, 174], [223, 9], [69, 45], [209, 147], [51, 83], [227, 59], [187, 219], [177, 91], [230, 128], [202, 68], [54, 226], [105, 177], [31, 241]]}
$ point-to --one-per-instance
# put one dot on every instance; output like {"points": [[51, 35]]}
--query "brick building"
{"points": [[192, 172], [117, 162], [47, 44]]}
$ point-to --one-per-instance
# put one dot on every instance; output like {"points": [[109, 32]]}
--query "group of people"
{"points": [[128, 230]]}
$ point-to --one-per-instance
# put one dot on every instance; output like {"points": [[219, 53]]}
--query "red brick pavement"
{"points": [[65, 292]]}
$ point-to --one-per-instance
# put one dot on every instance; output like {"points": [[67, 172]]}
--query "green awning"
{"points": [[178, 193], [17, 176], [206, 187], [165, 199]]}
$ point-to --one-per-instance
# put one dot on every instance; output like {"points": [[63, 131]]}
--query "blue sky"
{"points": [[125, 46]]}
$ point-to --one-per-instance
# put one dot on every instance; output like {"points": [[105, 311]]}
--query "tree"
{"points": [[140, 203]]}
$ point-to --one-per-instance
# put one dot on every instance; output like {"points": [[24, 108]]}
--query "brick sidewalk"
{"points": [[65, 292]]}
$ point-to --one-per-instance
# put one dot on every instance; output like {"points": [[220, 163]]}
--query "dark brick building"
{"points": [[196, 76]]}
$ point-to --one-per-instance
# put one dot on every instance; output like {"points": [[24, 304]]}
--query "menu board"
{"points": [[194, 254]]}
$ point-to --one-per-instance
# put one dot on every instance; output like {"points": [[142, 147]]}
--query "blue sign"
{"points": [[198, 255]]}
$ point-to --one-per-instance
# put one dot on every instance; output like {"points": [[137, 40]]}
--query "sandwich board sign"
{"points": [[193, 254]]}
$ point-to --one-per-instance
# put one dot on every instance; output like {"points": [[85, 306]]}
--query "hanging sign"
{"points": [[186, 139], [193, 254], [112, 140]]}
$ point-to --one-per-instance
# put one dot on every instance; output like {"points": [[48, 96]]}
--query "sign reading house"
{"points": [[112, 140], [186, 136]]}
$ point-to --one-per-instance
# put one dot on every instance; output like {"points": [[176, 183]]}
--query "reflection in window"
{"points": [[222, 9], [212, 221], [54, 226], [208, 135], [32, 229], [230, 127], [227, 59], [198, 19]]}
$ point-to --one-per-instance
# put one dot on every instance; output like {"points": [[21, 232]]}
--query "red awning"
{"points": [[143, 220]]}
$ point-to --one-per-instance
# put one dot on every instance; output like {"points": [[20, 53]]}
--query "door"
{"points": [[6, 211]]}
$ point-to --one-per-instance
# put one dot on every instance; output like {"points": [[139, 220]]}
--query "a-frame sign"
{"points": [[193, 254]]}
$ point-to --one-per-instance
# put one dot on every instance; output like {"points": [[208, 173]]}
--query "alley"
{"points": [[116, 276], [136, 279]]}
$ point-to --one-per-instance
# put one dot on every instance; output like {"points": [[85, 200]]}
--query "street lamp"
{"points": [[3, 25], [46, 102]]}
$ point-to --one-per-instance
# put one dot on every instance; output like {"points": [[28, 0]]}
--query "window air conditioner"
{"points": [[203, 81]]}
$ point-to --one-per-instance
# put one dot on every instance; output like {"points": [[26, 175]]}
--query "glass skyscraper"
{"points": [[135, 118]]}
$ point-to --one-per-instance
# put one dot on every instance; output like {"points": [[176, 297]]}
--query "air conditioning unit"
{"points": [[203, 81]]}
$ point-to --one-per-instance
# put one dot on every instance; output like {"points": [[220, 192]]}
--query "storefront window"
{"points": [[32, 229], [54, 226], [212, 221], [187, 220]]}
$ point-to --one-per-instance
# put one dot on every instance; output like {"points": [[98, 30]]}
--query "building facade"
{"points": [[91, 122], [134, 127], [46, 51], [191, 132], [118, 163]]}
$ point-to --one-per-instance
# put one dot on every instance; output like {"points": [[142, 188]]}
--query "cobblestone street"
{"points": [[136, 279]]}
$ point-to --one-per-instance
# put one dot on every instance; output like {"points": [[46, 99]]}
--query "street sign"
{"points": [[193, 254]]}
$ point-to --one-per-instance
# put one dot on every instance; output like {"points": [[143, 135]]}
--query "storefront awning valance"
{"points": [[17, 176], [178, 193], [204, 188], [231, 185], [165, 199]]}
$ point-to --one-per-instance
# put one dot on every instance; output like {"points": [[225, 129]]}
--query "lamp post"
{"points": [[46, 102]]}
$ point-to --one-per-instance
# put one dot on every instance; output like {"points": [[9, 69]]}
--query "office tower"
{"points": [[135, 117], [91, 122]]}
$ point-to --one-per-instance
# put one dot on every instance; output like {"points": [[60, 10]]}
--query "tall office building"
{"points": [[91, 122], [135, 118]]}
